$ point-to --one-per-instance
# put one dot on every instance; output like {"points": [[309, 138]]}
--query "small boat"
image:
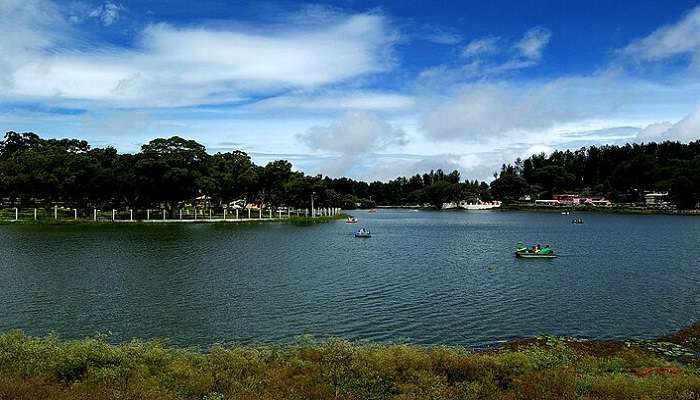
{"points": [[565, 213], [577, 221], [372, 211], [351, 220], [522, 251], [363, 233]]}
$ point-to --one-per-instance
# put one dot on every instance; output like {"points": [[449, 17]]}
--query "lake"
{"points": [[424, 277]]}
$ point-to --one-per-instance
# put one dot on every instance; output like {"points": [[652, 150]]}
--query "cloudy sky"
{"points": [[365, 89]]}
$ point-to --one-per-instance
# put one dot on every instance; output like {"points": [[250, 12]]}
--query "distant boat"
{"points": [[363, 233], [479, 205], [577, 221], [372, 211], [351, 220]]}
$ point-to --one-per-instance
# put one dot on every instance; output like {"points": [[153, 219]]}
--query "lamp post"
{"points": [[312, 204]]}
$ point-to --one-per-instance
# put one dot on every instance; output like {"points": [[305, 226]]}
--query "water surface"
{"points": [[425, 277]]}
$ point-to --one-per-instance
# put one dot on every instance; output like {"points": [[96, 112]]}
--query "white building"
{"points": [[656, 199]]}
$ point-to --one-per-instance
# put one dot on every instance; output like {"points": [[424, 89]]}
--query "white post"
{"points": [[131, 215], [224, 214], [16, 214], [163, 210], [148, 214], [210, 213], [94, 214], [249, 213], [55, 212], [306, 212], [195, 214], [181, 213], [35, 214], [260, 213], [289, 212], [114, 215], [75, 214], [279, 214], [270, 212]]}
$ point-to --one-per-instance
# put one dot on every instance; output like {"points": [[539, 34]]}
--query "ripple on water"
{"points": [[428, 277]]}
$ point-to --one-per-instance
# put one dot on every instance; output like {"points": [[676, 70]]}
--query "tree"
{"points": [[171, 169], [509, 187]]}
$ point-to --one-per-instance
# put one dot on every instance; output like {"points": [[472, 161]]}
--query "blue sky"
{"points": [[365, 89]]}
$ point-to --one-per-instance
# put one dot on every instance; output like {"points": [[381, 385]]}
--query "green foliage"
{"points": [[620, 173], [170, 172], [548, 368]]}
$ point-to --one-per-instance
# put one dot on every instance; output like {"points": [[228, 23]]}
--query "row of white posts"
{"points": [[319, 212]]}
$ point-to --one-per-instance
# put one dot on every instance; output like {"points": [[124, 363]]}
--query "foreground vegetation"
{"points": [[540, 368]]}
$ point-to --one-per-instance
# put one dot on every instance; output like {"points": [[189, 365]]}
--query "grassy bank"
{"points": [[540, 368]]}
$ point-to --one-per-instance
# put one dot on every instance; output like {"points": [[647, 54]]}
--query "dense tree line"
{"points": [[171, 172], [620, 173], [174, 171]]}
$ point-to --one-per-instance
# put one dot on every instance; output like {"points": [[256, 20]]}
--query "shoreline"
{"points": [[599, 210], [536, 368], [157, 222], [547, 209]]}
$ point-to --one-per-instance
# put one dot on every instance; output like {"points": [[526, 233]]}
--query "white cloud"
{"points": [[654, 131], [28, 26], [533, 43], [679, 39], [442, 36], [487, 58], [488, 112], [353, 136], [325, 101], [354, 133], [174, 66], [685, 130], [484, 45], [108, 13]]}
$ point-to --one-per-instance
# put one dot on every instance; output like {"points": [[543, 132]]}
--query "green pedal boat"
{"points": [[522, 251]]}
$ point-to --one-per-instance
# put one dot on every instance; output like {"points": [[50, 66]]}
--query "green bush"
{"points": [[551, 368]]}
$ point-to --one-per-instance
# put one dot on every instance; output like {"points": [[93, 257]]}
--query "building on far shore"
{"points": [[656, 199], [562, 200], [567, 199], [598, 202]]}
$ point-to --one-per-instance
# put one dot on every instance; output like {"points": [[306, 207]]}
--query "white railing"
{"points": [[57, 213]]}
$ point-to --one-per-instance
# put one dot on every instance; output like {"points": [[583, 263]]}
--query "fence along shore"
{"points": [[160, 215]]}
